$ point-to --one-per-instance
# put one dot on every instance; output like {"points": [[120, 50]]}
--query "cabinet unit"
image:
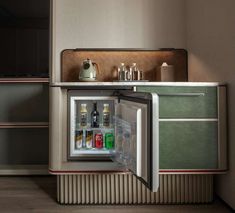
{"points": [[24, 66], [24, 126], [192, 127], [192, 144]]}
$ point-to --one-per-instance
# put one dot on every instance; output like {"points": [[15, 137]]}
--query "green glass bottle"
{"points": [[109, 141]]}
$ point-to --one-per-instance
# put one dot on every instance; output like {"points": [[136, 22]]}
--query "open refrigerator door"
{"points": [[137, 138]]}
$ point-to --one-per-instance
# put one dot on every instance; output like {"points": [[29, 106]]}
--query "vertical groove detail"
{"points": [[127, 189]]}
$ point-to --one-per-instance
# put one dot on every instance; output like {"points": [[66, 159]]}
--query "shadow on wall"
{"points": [[211, 46]]}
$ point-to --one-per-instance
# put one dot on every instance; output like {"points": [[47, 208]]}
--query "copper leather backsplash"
{"points": [[148, 61]]}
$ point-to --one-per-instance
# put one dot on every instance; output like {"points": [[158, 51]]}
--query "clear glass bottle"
{"points": [[122, 72], [83, 115], [106, 115], [135, 72]]}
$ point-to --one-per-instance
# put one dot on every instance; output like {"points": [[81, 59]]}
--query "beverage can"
{"points": [[78, 139], [109, 140], [99, 140], [89, 134]]}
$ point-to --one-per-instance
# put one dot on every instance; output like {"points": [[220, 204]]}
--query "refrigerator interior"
{"points": [[88, 142]]}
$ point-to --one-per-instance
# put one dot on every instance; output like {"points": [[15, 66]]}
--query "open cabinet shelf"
{"points": [[24, 126], [24, 86]]}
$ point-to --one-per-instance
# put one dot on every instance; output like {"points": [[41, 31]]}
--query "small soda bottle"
{"points": [[106, 115], [83, 115]]}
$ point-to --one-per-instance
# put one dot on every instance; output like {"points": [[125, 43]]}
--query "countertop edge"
{"points": [[88, 84]]}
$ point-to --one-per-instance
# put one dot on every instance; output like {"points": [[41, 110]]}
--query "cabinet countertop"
{"points": [[133, 84]]}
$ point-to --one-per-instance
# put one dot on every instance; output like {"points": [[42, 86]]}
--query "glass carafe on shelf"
{"points": [[122, 72], [129, 75], [136, 73], [83, 115]]}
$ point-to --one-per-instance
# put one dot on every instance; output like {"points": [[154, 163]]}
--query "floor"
{"points": [[37, 194]]}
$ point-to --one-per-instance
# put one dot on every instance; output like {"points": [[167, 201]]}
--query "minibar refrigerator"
{"points": [[104, 126]]}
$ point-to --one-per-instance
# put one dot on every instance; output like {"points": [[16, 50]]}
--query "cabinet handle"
{"points": [[182, 94]]}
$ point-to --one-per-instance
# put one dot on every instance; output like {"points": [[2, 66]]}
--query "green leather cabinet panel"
{"points": [[188, 145], [183, 102], [191, 144]]}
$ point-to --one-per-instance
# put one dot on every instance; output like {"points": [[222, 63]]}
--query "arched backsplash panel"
{"points": [[149, 61]]}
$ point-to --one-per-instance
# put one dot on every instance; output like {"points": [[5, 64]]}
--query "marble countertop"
{"points": [[133, 84]]}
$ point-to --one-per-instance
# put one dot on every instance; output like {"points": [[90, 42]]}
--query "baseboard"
{"points": [[126, 189]]}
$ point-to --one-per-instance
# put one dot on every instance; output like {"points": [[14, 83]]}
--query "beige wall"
{"points": [[118, 24], [211, 46]]}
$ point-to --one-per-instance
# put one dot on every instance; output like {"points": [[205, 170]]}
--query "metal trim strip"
{"points": [[188, 119], [161, 171], [222, 127]]}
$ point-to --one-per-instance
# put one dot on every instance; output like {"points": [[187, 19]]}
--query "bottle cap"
{"points": [[106, 105], [83, 105], [133, 64]]}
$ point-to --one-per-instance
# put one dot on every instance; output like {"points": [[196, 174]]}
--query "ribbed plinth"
{"points": [[126, 189]]}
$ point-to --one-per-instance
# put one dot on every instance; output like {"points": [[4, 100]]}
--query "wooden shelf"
{"points": [[23, 125], [149, 61], [24, 80], [24, 169]]}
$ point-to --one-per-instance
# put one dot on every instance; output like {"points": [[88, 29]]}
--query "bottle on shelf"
{"points": [[129, 74], [106, 115], [83, 115], [95, 116], [136, 73], [122, 72]]}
